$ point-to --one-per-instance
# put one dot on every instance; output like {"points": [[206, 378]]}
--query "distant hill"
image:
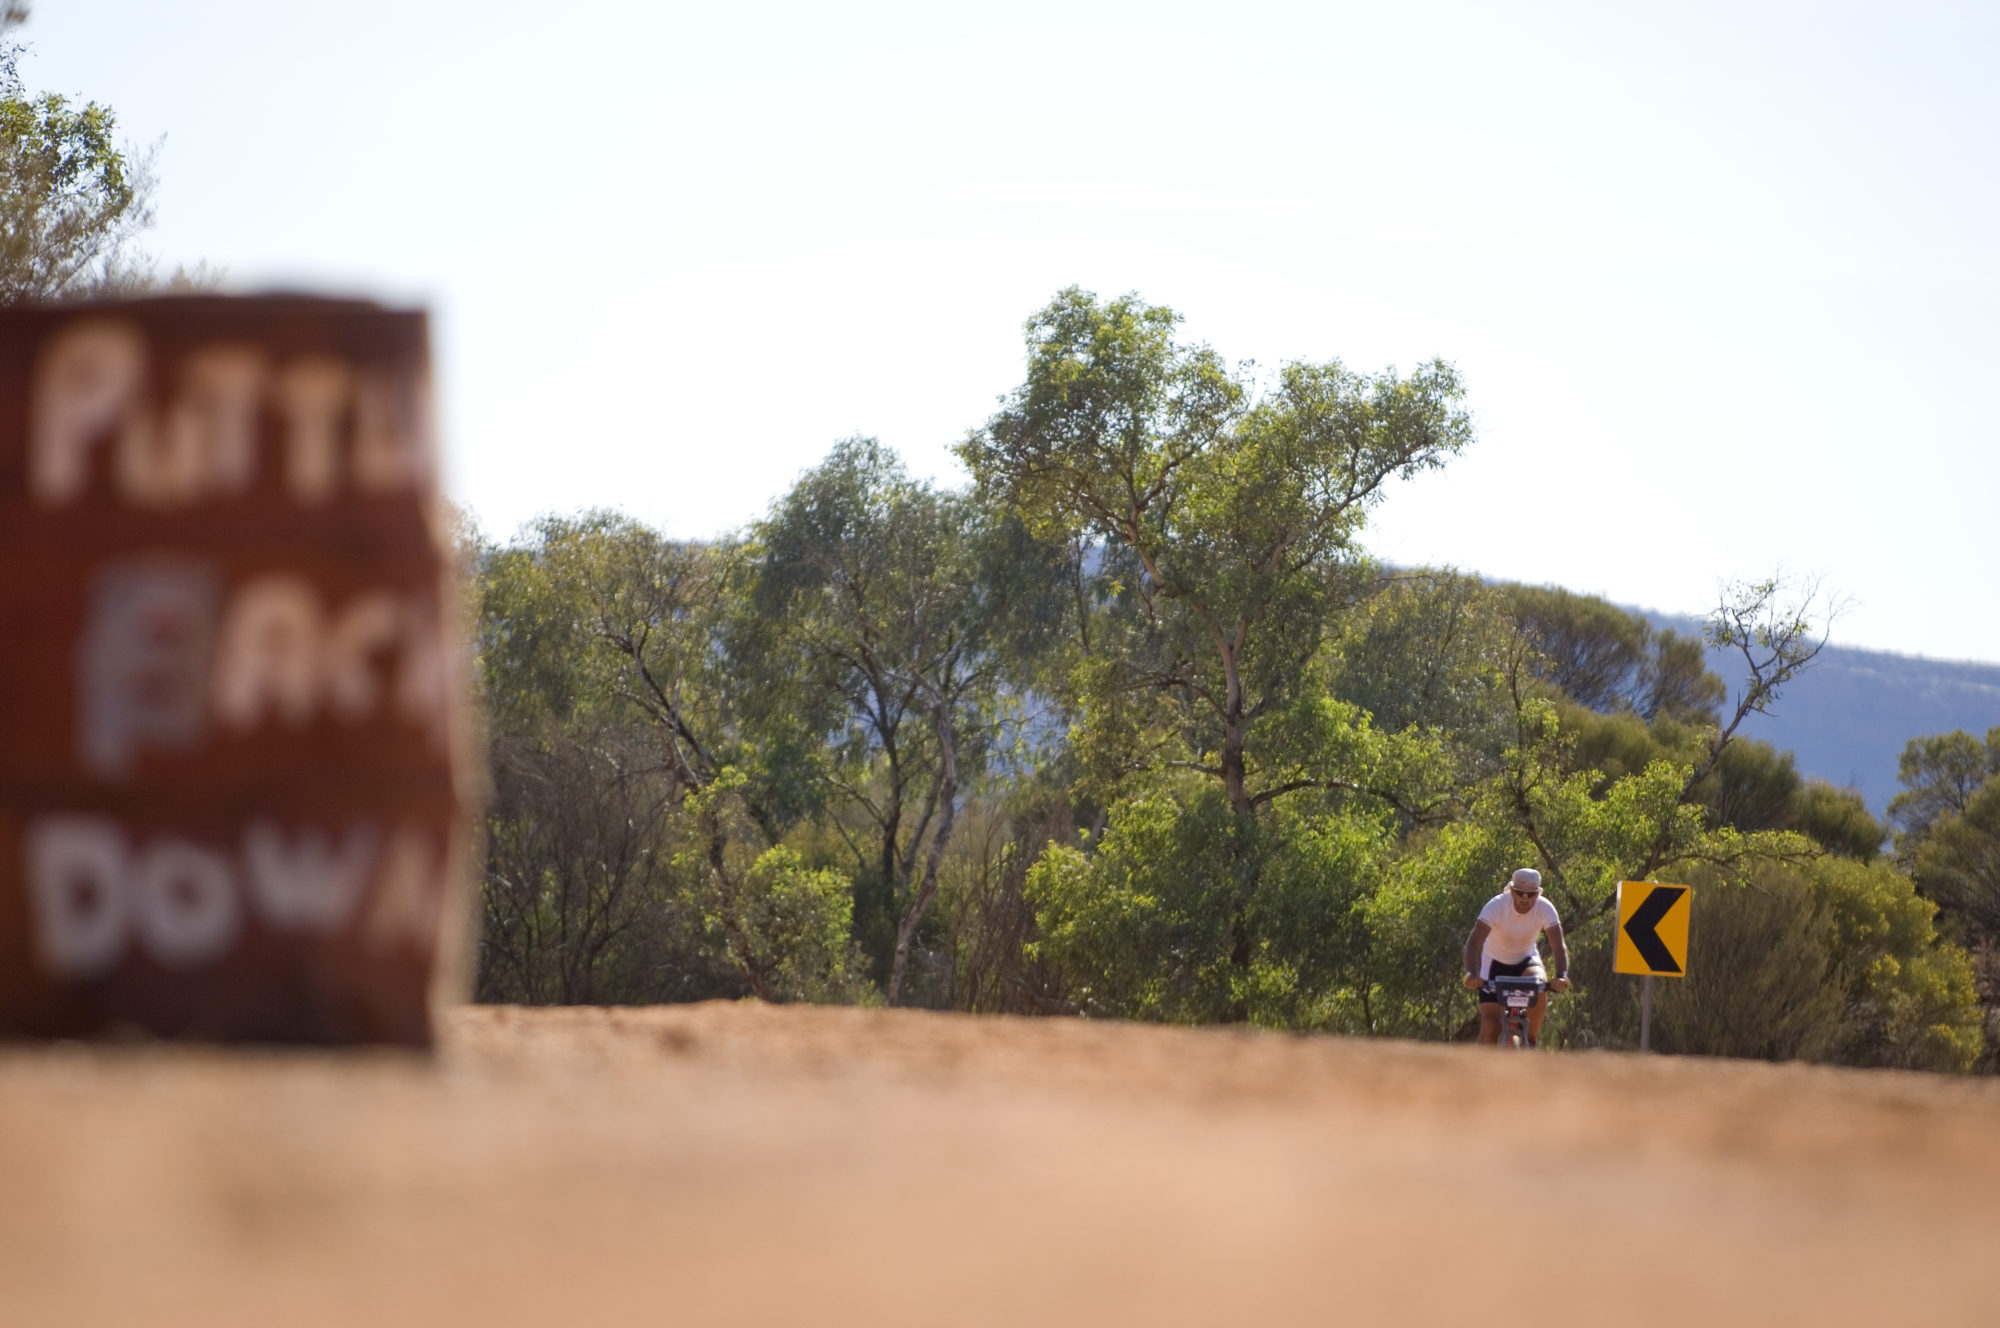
{"points": [[1847, 717]]}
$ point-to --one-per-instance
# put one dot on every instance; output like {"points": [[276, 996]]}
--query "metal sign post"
{"points": [[1646, 1013]]}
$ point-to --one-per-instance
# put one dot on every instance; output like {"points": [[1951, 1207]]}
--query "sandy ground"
{"points": [[741, 1164]]}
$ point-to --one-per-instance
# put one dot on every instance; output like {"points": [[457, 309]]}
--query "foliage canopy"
{"points": [[71, 200], [1133, 727]]}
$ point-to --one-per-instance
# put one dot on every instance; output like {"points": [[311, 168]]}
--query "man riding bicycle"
{"points": [[1504, 944]]}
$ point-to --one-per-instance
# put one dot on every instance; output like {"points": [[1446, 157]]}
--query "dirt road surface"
{"points": [[745, 1164]]}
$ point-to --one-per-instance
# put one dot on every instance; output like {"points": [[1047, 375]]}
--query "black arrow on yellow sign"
{"points": [[1645, 918]]}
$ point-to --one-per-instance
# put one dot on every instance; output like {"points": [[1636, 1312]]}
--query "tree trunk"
{"points": [[1238, 1011], [875, 907], [948, 800], [741, 948], [1234, 777], [1243, 852]]}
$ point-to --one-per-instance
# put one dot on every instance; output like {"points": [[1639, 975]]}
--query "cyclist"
{"points": [[1504, 943]]}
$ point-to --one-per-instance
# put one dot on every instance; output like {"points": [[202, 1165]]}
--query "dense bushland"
{"points": [[1133, 727]]}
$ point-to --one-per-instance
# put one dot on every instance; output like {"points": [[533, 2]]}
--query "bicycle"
{"points": [[1516, 997]]}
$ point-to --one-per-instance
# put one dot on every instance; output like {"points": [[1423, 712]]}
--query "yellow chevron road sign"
{"points": [[1652, 929]]}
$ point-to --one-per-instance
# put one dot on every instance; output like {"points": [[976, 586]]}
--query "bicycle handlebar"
{"points": [[1491, 985]]}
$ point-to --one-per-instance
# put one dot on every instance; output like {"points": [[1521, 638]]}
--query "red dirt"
{"points": [[749, 1164]]}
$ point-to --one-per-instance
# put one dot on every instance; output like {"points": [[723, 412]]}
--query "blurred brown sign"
{"points": [[232, 766]]}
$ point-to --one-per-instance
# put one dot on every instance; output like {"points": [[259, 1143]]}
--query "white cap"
{"points": [[1527, 876]]}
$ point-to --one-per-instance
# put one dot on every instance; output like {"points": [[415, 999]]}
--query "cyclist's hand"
{"points": [[1558, 984], [1473, 983]]}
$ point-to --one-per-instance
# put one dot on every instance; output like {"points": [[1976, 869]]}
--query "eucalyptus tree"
{"points": [[604, 657], [1950, 813], [1240, 510], [1224, 514], [902, 600], [1587, 832], [72, 201], [1958, 863], [1939, 774], [1612, 660], [1592, 650]]}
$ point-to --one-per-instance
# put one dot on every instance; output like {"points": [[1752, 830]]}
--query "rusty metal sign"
{"points": [[233, 768]]}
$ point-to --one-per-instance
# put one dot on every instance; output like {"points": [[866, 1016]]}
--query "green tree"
{"points": [[1592, 651], [1239, 511], [1589, 833], [579, 900], [1612, 661], [1632, 695], [1234, 513], [1676, 682], [1149, 925], [637, 798], [1910, 996], [1939, 774], [1418, 919], [584, 901], [1958, 863], [1752, 786], [1827, 959], [71, 200], [1763, 980], [901, 599], [1422, 650], [1839, 820]]}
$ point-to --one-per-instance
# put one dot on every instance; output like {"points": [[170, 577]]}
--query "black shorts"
{"points": [[1500, 970]]}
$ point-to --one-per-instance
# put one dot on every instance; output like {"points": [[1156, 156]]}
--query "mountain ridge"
{"points": [[1847, 718]]}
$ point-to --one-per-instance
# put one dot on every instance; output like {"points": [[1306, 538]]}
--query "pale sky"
{"points": [[1722, 279]]}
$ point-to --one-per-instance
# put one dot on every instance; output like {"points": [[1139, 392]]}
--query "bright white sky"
{"points": [[1722, 277]]}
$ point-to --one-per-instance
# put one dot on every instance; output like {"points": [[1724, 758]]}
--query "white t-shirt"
{"points": [[1512, 935]]}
